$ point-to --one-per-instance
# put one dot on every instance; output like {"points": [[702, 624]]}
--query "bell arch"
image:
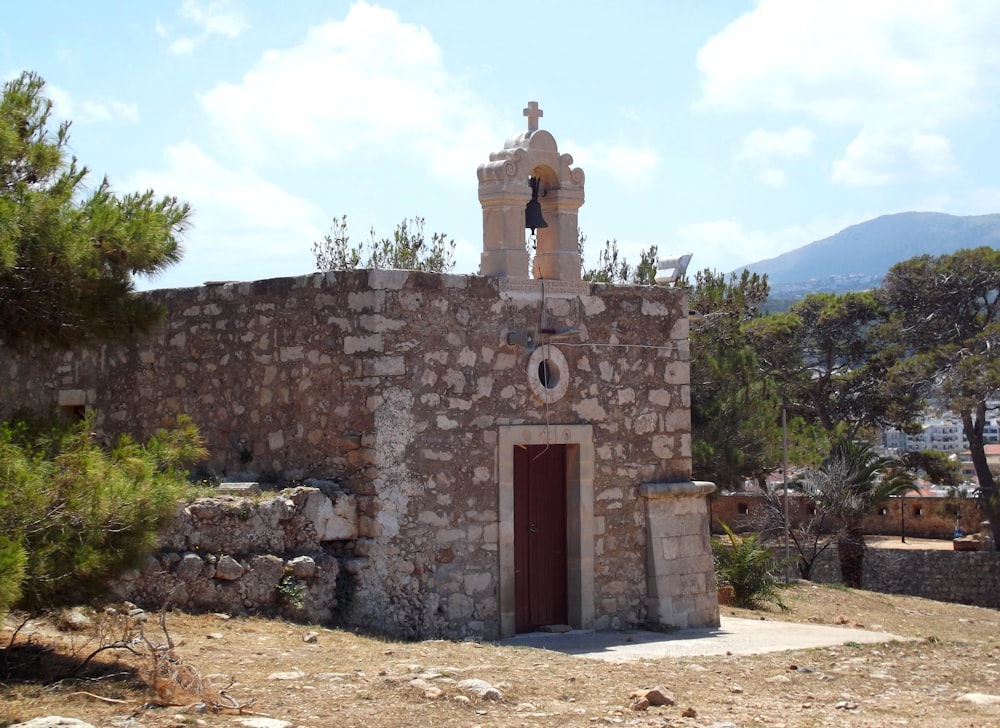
{"points": [[505, 190]]}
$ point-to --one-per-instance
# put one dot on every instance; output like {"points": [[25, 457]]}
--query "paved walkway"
{"points": [[736, 636]]}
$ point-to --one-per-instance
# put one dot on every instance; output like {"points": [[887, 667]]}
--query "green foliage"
{"points": [[852, 481], [946, 315], [407, 249], [81, 513], [829, 356], [734, 410], [67, 256], [613, 268], [291, 592], [12, 563], [937, 466], [749, 568]]}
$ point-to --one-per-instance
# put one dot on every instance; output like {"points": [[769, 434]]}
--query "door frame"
{"points": [[579, 440]]}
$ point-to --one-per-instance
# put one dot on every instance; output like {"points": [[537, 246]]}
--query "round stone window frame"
{"points": [[549, 359]]}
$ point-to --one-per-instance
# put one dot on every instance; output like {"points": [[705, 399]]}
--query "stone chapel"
{"points": [[515, 449]]}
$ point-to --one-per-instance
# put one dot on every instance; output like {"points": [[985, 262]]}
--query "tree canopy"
{"points": [[407, 249], [830, 355], [734, 409], [612, 267], [946, 313], [68, 254]]}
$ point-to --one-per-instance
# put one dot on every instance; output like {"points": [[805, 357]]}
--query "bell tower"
{"points": [[530, 162]]}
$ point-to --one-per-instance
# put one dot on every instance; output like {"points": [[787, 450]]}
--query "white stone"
{"points": [[333, 521], [303, 567], [264, 723], [228, 569]]}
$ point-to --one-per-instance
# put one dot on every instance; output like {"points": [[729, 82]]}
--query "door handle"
{"points": [[532, 529]]}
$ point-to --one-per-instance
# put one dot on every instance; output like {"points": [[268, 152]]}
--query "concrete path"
{"points": [[736, 636]]}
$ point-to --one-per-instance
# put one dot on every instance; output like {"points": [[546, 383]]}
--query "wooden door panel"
{"points": [[540, 559]]}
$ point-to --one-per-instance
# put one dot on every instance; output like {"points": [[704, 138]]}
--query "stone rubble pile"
{"points": [[248, 555]]}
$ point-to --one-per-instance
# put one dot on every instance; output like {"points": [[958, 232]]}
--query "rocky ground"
{"points": [[255, 672]]}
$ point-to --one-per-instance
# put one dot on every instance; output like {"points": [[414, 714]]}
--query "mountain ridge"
{"points": [[859, 256]]}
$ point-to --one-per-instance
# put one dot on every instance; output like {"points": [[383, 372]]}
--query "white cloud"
{"points": [[185, 45], [368, 81], [725, 245], [241, 221], [633, 167], [773, 177], [89, 111], [856, 61], [881, 156], [762, 145], [219, 17]]}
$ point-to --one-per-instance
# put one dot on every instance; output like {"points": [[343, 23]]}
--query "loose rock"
{"points": [[479, 688]]}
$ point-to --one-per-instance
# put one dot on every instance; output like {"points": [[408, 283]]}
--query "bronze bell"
{"points": [[533, 210]]}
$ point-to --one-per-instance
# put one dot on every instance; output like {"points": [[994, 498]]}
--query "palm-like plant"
{"points": [[749, 569], [852, 481]]}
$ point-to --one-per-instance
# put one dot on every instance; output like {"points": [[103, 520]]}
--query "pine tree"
{"points": [[68, 254]]}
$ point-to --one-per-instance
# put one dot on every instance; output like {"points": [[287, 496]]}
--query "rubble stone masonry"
{"points": [[394, 384]]}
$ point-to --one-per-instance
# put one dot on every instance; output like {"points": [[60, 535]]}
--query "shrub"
{"points": [[79, 513], [749, 569]]}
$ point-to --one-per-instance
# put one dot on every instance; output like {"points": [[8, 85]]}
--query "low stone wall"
{"points": [[917, 516], [273, 554], [963, 577]]}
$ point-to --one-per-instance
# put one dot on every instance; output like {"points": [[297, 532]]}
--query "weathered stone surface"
{"points": [[228, 569], [390, 387], [53, 721], [479, 688], [303, 567], [190, 567]]}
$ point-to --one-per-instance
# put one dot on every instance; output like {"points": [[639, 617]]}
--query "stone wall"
{"points": [[925, 517], [398, 385], [271, 554], [964, 577]]}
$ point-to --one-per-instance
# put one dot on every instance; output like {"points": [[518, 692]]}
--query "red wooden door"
{"points": [[540, 565]]}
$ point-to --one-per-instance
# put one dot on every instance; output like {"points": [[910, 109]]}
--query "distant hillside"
{"points": [[858, 257]]}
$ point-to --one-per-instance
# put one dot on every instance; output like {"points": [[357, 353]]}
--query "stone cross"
{"points": [[534, 114]]}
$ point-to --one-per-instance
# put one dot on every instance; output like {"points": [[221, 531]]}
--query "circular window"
{"points": [[548, 373]]}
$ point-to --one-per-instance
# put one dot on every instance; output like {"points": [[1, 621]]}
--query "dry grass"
{"points": [[343, 679]]}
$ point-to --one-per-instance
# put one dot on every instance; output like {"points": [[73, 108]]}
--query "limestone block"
{"points": [[228, 569], [660, 397], [262, 579], [478, 582], [303, 567], [459, 607], [332, 520], [591, 410], [190, 567], [384, 366], [387, 279]]}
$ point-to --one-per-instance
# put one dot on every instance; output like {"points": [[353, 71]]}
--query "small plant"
{"points": [[749, 569], [291, 591]]}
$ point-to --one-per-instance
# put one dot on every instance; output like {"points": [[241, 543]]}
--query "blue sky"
{"points": [[732, 129]]}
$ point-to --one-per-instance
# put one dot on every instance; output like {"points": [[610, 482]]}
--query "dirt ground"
{"points": [[301, 675]]}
